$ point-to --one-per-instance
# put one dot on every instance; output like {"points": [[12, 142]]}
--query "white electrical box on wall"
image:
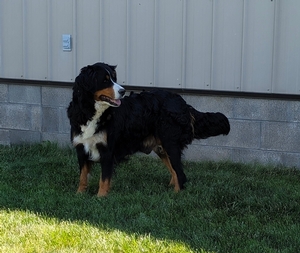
{"points": [[66, 41]]}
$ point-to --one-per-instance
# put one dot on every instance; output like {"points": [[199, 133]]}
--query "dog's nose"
{"points": [[122, 92]]}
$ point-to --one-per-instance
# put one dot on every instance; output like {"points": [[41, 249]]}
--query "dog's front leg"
{"points": [[83, 181], [104, 186], [105, 178], [84, 166]]}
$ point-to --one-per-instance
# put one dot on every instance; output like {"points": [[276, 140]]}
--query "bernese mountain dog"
{"points": [[107, 126]]}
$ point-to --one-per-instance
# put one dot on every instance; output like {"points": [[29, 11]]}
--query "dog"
{"points": [[107, 126]]}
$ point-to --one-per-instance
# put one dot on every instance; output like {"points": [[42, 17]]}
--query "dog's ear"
{"points": [[114, 72], [82, 88], [85, 79], [82, 95], [113, 67], [80, 80], [87, 71], [78, 88]]}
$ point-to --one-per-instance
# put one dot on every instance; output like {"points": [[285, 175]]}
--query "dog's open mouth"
{"points": [[112, 102]]}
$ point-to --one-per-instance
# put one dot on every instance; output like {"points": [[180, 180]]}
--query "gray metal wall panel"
{"points": [[11, 38], [61, 22], [88, 35], [236, 45], [113, 36], [258, 46], [141, 24], [287, 47], [227, 45], [198, 44], [35, 24], [168, 43]]}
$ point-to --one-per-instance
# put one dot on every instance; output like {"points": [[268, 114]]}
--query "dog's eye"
{"points": [[106, 79]]}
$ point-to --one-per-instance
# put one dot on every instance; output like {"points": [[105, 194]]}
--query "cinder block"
{"points": [[3, 116], [4, 137], [3, 92], [295, 105], [15, 116], [56, 96], [291, 159], [211, 104], [50, 119], [36, 118], [243, 134], [19, 136], [276, 158], [24, 94], [280, 136], [262, 109], [256, 156], [61, 139], [207, 153], [64, 123]]}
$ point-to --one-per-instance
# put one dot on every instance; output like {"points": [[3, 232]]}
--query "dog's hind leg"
{"points": [[165, 159], [173, 153]]}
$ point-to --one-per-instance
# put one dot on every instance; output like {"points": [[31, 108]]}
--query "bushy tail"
{"points": [[209, 124]]}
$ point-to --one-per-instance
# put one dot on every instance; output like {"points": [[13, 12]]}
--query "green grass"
{"points": [[226, 207]]}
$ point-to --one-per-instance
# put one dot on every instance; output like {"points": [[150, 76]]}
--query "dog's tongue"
{"points": [[117, 102]]}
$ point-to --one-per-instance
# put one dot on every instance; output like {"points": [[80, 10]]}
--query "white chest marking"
{"points": [[88, 137], [90, 144]]}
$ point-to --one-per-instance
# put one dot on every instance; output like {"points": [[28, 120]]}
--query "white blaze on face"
{"points": [[110, 96], [118, 91]]}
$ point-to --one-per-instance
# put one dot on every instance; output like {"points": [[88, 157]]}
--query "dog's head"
{"points": [[99, 81]]}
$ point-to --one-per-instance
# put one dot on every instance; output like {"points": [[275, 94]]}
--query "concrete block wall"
{"points": [[33, 114], [262, 130]]}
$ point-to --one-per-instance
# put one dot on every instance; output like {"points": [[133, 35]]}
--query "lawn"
{"points": [[226, 207]]}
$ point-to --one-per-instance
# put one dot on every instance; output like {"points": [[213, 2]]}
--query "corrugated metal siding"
{"points": [[237, 45], [141, 44], [286, 74], [11, 39], [35, 40], [258, 46], [198, 46], [227, 45]]}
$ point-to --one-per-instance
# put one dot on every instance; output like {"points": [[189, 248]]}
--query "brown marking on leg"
{"points": [[85, 170], [165, 159], [104, 186]]}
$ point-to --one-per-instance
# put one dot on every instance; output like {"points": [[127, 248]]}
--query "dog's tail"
{"points": [[209, 124]]}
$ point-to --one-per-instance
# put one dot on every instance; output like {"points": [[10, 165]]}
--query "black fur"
{"points": [[151, 120]]}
